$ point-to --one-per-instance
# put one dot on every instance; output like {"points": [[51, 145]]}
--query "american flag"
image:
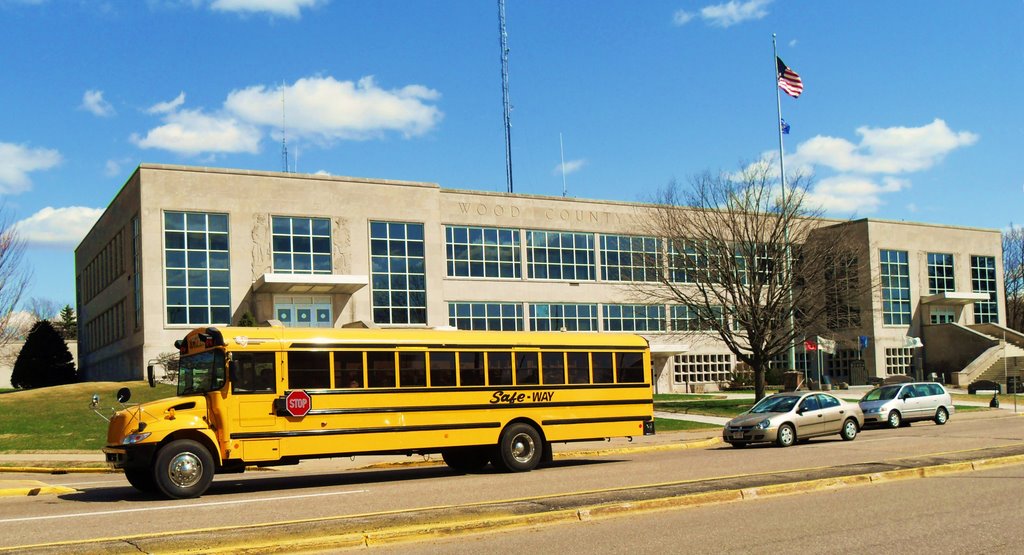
{"points": [[789, 81]]}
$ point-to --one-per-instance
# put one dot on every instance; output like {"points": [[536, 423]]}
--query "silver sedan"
{"points": [[785, 418]]}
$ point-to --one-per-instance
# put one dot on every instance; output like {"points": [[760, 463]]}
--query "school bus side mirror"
{"points": [[232, 370]]}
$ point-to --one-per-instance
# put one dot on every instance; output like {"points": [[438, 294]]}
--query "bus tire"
{"points": [[466, 459], [141, 479], [520, 448], [184, 469]]}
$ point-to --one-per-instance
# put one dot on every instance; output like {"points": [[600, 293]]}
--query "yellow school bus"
{"points": [[274, 395]]}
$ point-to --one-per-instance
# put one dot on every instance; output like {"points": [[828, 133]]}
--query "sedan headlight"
{"points": [[134, 438], [764, 424]]}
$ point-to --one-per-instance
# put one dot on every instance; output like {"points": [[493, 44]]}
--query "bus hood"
{"points": [[156, 419]]}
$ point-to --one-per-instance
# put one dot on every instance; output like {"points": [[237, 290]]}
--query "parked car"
{"points": [[898, 405], [785, 418]]}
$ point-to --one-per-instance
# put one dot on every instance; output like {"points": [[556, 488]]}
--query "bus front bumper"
{"points": [[130, 456]]}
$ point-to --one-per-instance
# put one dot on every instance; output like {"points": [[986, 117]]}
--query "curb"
{"points": [[30, 488], [420, 524]]}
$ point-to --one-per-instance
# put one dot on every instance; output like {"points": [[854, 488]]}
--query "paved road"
{"points": [[104, 506], [977, 512]]}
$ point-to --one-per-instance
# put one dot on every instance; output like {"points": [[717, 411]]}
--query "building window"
{"points": [[136, 271], [842, 278], [701, 368], [626, 258], [940, 273], [689, 318], [486, 316], [895, 288], [899, 361], [942, 316], [983, 280], [781, 362], [399, 280], [301, 245], [554, 255], [196, 262], [634, 317], [838, 365], [482, 252], [572, 317], [302, 311]]}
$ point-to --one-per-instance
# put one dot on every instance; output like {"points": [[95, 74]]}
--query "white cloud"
{"points": [[167, 107], [885, 150], [17, 161], [682, 17], [322, 107], [285, 8], [92, 101], [58, 227], [192, 132], [571, 166], [733, 12], [112, 168], [792, 43], [853, 193]]}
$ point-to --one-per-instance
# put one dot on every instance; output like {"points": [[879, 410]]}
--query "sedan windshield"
{"points": [[201, 372], [884, 393], [780, 403]]}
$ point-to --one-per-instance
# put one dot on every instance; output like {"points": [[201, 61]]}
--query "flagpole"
{"points": [[782, 176]]}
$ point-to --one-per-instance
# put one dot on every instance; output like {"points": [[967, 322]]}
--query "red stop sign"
{"points": [[297, 403]]}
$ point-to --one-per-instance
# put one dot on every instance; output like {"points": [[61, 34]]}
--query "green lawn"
{"points": [[59, 418], [672, 425], [726, 408]]}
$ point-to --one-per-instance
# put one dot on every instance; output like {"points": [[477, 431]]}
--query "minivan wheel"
{"points": [[941, 416], [849, 430], [786, 437], [895, 420]]}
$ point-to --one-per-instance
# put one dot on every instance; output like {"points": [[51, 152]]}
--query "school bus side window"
{"points": [[471, 368], [442, 369], [309, 370], [499, 368], [553, 367], [526, 369], [253, 373], [348, 369], [380, 368], [579, 367], [602, 367], [412, 369], [631, 367]]}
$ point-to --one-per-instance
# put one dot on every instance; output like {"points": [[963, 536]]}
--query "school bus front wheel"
{"points": [[183, 469]]}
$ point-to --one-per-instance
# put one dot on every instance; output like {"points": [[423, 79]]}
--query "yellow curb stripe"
{"points": [[56, 470], [32, 491]]}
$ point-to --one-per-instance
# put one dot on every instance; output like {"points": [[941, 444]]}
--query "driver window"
{"points": [[254, 373], [810, 404]]}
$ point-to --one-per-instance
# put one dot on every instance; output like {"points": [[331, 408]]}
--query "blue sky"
{"points": [[911, 110]]}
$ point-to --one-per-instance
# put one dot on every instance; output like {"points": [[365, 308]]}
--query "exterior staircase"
{"points": [[1003, 361]]}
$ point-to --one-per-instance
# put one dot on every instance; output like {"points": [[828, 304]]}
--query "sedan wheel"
{"points": [[941, 416], [849, 430], [786, 437], [895, 419]]}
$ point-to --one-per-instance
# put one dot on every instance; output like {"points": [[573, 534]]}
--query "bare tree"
{"points": [[1013, 276], [14, 277], [42, 308], [745, 261]]}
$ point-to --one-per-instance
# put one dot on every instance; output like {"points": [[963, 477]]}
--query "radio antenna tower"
{"points": [[504, 94], [284, 142]]}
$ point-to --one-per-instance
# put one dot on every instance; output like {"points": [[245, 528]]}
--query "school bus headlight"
{"points": [[134, 438]]}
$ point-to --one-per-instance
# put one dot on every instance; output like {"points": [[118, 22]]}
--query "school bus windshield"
{"points": [[201, 372]]}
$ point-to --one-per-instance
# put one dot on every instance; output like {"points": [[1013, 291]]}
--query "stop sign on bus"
{"points": [[297, 403]]}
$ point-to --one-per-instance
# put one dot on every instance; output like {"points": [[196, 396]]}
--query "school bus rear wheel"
{"points": [[184, 469], [520, 448]]}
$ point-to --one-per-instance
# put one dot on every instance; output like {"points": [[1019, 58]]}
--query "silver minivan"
{"points": [[899, 404]]}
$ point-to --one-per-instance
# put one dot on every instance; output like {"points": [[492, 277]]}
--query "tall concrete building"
{"points": [[182, 247]]}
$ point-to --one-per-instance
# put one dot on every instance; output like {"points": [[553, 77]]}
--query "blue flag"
{"points": [[785, 127]]}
